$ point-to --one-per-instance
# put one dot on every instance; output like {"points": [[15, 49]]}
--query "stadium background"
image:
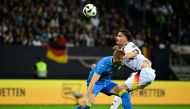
{"points": [[44, 28]]}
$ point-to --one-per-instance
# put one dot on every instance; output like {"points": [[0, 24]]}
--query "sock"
{"points": [[116, 102], [88, 105], [126, 100], [78, 107]]}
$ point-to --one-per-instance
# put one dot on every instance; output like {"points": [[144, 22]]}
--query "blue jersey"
{"points": [[105, 69]]}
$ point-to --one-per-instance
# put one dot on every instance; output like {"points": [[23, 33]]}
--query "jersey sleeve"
{"points": [[130, 48], [100, 67]]}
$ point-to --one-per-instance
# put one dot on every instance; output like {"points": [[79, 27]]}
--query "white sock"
{"points": [[116, 102]]}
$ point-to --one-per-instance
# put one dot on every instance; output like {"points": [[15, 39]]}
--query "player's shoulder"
{"points": [[105, 60], [130, 45]]}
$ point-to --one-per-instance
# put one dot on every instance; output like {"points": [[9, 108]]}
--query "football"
{"points": [[89, 10]]}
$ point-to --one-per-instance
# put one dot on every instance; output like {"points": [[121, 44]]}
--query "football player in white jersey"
{"points": [[143, 75]]}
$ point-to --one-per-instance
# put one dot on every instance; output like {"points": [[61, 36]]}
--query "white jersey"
{"points": [[136, 62], [137, 80]]}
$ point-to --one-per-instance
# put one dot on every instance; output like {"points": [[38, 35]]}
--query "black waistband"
{"points": [[138, 72]]}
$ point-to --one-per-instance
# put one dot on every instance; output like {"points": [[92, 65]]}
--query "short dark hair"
{"points": [[126, 33]]}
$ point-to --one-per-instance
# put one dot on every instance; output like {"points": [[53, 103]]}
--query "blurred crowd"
{"points": [[37, 22]]}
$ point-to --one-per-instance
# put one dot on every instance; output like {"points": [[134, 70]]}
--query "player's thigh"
{"points": [[147, 75], [124, 86], [115, 90], [140, 81], [110, 89]]}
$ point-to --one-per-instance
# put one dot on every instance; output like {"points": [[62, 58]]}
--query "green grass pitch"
{"points": [[95, 107]]}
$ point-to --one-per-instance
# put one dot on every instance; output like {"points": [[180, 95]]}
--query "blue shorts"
{"points": [[104, 88]]}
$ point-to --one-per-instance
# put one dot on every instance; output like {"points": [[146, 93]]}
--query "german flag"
{"points": [[146, 51], [57, 51]]}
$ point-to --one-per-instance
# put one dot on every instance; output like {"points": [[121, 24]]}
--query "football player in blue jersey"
{"points": [[99, 80]]}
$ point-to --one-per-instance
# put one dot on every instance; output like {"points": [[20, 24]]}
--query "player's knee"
{"points": [[124, 94], [121, 92]]}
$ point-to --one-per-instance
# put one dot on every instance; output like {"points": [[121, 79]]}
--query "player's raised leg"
{"points": [[123, 95]]}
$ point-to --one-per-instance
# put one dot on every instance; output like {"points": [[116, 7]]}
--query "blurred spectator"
{"points": [[36, 41], [35, 22], [139, 40]]}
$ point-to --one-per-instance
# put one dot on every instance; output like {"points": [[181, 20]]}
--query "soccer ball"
{"points": [[89, 10]]}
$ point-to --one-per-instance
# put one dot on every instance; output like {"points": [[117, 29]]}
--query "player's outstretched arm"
{"points": [[95, 78], [132, 54], [90, 96]]}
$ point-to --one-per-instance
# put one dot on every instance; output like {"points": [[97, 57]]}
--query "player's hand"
{"points": [[92, 66], [90, 97], [116, 47], [83, 102]]}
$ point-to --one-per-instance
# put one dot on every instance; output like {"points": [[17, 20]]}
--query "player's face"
{"points": [[118, 62], [121, 39]]}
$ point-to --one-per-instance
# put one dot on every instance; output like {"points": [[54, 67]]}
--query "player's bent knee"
{"points": [[122, 92], [115, 90]]}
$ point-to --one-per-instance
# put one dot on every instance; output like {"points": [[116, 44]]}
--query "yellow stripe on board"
{"points": [[64, 91]]}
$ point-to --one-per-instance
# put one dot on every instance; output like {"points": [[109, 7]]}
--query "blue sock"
{"points": [[78, 107], [126, 100], [86, 107]]}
